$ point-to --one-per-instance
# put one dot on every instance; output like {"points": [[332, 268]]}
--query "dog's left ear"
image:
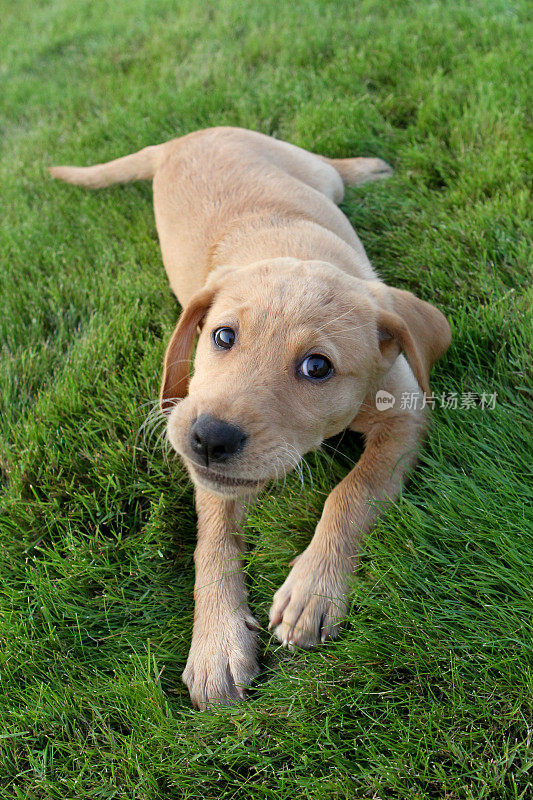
{"points": [[175, 382], [413, 326]]}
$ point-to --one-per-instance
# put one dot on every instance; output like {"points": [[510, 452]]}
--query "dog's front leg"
{"points": [[222, 659], [310, 604]]}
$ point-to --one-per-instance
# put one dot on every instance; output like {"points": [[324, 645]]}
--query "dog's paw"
{"points": [[376, 169], [310, 606], [222, 661]]}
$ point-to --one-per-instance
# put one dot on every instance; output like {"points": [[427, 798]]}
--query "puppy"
{"points": [[297, 335]]}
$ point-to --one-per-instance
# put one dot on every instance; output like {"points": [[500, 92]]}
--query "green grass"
{"points": [[428, 694]]}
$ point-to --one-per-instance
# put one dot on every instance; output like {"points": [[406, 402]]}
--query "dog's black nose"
{"points": [[214, 440]]}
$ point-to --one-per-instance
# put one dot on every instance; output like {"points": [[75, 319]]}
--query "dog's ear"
{"points": [[175, 382], [414, 327]]}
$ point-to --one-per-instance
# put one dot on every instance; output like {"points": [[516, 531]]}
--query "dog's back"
{"points": [[209, 182]]}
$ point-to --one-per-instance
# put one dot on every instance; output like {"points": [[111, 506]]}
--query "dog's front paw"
{"points": [[222, 660], [311, 604]]}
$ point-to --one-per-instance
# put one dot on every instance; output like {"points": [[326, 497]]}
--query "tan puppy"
{"points": [[297, 336]]}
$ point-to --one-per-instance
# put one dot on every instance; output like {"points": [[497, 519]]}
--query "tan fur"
{"points": [[252, 238]]}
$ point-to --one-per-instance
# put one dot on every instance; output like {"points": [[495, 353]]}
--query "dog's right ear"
{"points": [[175, 382]]}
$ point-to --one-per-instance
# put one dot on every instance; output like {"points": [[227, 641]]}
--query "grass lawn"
{"points": [[428, 694]]}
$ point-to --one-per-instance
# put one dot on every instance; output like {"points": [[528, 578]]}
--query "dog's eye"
{"points": [[316, 367], [224, 338]]}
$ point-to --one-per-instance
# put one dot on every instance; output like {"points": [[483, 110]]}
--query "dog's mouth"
{"points": [[225, 481]]}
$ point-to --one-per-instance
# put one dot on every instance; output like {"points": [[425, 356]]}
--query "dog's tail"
{"points": [[355, 171], [135, 167]]}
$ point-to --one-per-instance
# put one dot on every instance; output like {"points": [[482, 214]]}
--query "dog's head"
{"points": [[287, 352]]}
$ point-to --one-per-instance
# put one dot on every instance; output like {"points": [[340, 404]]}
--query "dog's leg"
{"points": [[140, 166], [222, 658], [309, 606]]}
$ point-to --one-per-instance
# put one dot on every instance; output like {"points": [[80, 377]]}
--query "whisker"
{"points": [[179, 361], [304, 462], [284, 475], [337, 452], [342, 316], [150, 428], [294, 458]]}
